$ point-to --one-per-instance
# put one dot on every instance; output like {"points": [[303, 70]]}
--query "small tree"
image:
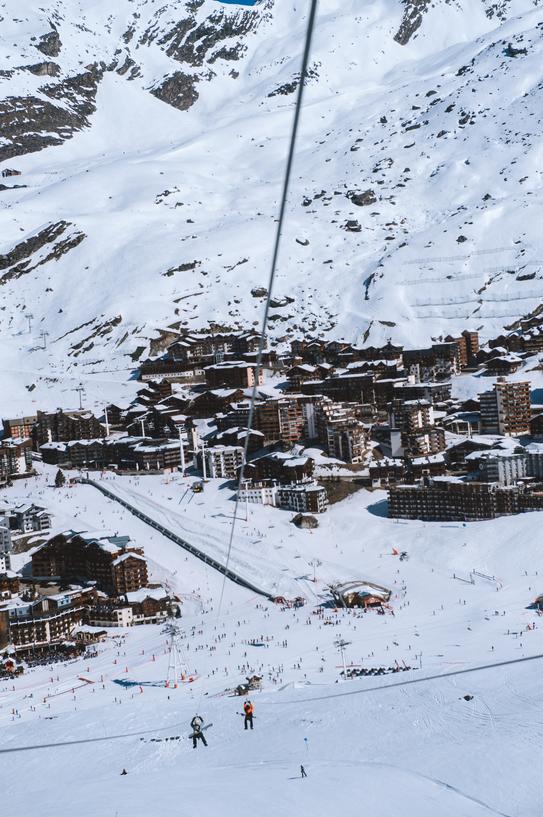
{"points": [[60, 479]]}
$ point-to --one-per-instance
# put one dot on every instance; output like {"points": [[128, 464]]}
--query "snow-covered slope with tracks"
{"points": [[151, 142]]}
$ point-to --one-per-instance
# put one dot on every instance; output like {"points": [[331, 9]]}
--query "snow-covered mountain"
{"points": [[151, 140]]}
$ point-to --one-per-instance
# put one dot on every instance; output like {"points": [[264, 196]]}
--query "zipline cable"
{"points": [[13, 749], [275, 256], [316, 699]]}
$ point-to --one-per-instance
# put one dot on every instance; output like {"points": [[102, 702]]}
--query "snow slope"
{"points": [[396, 743], [151, 214]]}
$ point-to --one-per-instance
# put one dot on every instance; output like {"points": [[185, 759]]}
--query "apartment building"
{"points": [[449, 500], [110, 561], [5, 545], [19, 426], [303, 498], [62, 426], [413, 432], [340, 430], [282, 467], [505, 409], [503, 467], [434, 393], [280, 420], [15, 458], [223, 461], [233, 374], [261, 492]]}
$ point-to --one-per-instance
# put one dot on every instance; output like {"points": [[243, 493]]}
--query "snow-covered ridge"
{"points": [[416, 194]]}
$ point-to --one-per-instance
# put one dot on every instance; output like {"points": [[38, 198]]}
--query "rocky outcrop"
{"points": [[412, 19], [289, 87], [178, 90], [44, 69], [363, 199], [100, 331], [50, 44], [194, 42], [55, 240], [198, 44], [30, 123], [34, 121]]}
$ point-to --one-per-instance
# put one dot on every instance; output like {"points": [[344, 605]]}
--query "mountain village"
{"points": [[271, 417], [329, 419]]}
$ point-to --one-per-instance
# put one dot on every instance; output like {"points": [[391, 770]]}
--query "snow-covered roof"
{"points": [[306, 367], [156, 447], [285, 456], [15, 603], [124, 556], [431, 458], [53, 446], [98, 440], [362, 588], [14, 441], [137, 596], [494, 453], [535, 448], [230, 364], [110, 542], [296, 462], [66, 593], [226, 393], [417, 402]]}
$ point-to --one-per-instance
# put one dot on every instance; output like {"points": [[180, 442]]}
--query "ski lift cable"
{"points": [[275, 256], [297, 701], [58, 744]]}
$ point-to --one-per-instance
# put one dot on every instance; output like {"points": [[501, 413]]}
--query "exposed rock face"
{"points": [[289, 87], [50, 44], [412, 20], [305, 521], [29, 123], [194, 43], [99, 331], [44, 69], [26, 256], [363, 199], [178, 90]]}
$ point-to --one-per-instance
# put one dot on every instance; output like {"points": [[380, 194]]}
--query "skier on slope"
{"points": [[248, 710], [196, 725]]}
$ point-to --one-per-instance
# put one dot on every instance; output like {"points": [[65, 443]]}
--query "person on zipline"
{"points": [[248, 710], [196, 725]]}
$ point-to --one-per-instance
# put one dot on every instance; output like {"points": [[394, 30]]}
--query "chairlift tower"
{"points": [[80, 389], [340, 644], [175, 673]]}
